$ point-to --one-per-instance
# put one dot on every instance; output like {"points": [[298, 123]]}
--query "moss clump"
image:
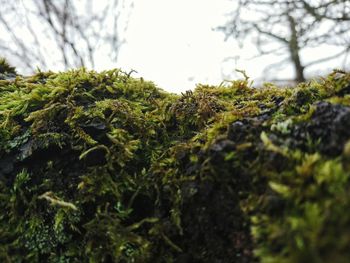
{"points": [[6, 69], [102, 167]]}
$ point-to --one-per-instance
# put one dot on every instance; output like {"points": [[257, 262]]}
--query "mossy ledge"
{"points": [[103, 167]]}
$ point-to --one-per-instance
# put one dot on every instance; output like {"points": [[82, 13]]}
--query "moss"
{"points": [[5, 67], [103, 167]]}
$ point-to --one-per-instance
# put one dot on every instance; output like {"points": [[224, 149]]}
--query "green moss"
{"points": [[5, 67], [103, 167]]}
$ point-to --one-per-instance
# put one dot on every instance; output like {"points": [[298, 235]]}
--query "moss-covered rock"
{"points": [[103, 167]]}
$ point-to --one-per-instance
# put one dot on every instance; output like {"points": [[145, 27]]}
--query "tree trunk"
{"points": [[294, 50]]}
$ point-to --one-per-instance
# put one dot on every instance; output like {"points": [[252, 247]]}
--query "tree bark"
{"points": [[294, 50]]}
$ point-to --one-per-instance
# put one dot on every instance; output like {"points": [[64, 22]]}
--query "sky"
{"points": [[173, 42]]}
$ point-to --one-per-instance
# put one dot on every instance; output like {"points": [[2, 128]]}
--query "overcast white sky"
{"points": [[173, 43]]}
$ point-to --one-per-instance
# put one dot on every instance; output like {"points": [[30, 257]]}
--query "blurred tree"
{"points": [[289, 27], [60, 33], [335, 10]]}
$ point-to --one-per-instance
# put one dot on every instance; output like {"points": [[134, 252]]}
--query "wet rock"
{"points": [[329, 123]]}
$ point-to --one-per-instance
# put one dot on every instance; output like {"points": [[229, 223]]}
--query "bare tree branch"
{"points": [[61, 32], [294, 25], [337, 55]]}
